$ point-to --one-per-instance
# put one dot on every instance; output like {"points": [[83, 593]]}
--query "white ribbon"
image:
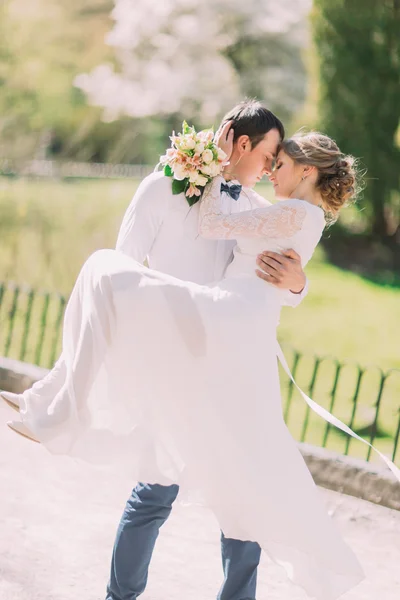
{"points": [[325, 414]]}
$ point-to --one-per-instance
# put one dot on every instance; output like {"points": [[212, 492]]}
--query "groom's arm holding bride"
{"points": [[144, 218]]}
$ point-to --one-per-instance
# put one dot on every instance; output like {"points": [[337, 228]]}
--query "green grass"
{"points": [[345, 316], [48, 228]]}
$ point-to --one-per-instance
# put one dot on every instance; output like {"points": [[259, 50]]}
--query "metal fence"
{"points": [[30, 324], [365, 398]]}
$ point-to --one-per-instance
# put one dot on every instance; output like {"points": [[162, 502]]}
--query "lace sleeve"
{"points": [[281, 220]]}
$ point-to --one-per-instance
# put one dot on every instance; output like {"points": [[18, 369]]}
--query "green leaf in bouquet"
{"points": [[168, 171], [186, 128], [192, 200], [179, 186]]}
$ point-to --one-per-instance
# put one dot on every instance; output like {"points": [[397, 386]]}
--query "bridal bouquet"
{"points": [[192, 161]]}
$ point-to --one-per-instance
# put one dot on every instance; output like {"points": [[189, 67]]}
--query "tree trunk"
{"points": [[378, 191]]}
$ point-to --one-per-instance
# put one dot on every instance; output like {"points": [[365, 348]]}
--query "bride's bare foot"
{"points": [[13, 400], [22, 429]]}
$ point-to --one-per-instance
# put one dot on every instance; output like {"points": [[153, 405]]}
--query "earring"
{"points": [[303, 178]]}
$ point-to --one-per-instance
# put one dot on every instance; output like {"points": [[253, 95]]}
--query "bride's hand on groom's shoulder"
{"points": [[224, 138]]}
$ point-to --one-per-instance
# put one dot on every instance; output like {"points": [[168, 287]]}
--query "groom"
{"points": [[162, 229]]}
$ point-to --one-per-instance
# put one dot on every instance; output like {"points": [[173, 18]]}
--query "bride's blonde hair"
{"points": [[338, 176]]}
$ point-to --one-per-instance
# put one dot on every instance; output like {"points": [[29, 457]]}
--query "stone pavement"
{"points": [[58, 520]]}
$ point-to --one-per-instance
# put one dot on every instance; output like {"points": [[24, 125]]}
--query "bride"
{"points": [[178, 383]]}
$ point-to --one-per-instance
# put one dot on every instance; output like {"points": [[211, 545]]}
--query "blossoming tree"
{"points": [[198, 58]]}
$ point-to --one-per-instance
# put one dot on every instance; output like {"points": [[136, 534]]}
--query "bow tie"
{"points": [[233, 190]]}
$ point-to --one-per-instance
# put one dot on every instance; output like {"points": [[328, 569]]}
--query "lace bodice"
{"points": [[287, 224]]}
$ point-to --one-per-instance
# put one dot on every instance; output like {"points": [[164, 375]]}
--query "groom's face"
{"points": [[249, 163]]}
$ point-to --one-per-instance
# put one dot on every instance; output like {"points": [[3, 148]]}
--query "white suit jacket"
{"points": [[162, 229]]}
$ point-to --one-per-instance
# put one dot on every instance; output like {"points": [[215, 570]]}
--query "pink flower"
{"points": [[196, 161], [181, 159], [171, 153], [206, 136], [193, 191]]}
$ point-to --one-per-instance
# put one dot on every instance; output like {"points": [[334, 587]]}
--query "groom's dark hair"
{"points": [[251, 118]]}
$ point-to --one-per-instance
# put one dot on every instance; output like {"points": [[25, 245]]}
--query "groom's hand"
{"points": [[282, 270]]}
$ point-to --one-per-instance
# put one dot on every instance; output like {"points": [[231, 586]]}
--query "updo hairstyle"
{"points": [[337, 173]]}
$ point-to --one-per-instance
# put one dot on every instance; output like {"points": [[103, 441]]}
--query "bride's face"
{"points": [[286, 176]]}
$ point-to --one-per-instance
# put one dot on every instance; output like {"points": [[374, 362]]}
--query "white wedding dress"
{"points": [[178, 383]]}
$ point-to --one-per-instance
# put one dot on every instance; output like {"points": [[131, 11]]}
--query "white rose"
{"points": [[199, 148], [207, 170], [188, 143], [207, 156], [201, 180], [216, 169]]}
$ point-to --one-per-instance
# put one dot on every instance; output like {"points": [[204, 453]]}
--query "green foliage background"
{"points": [[358, 47]]}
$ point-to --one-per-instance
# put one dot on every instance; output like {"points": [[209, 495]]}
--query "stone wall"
{"points": [[371, 481], [16, 376]]}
